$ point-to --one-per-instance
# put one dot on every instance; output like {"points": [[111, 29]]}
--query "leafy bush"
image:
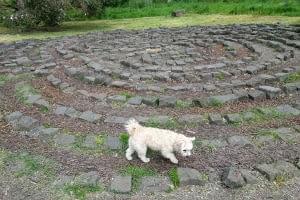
{"points": [[21, 20], [33, 13], [47, 12]]}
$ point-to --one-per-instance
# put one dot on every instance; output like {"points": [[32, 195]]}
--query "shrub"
{"points": [[33, 13], [47, 12]]}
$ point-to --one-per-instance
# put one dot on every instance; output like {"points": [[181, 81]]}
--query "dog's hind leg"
{"points": [[129, 153], [142, 153], [170, 156]]}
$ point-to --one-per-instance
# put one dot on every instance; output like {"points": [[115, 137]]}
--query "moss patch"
{"points": [[137, 173], [80, 191]]}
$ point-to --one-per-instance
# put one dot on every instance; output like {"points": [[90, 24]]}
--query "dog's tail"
{"points": [[132, 126]]}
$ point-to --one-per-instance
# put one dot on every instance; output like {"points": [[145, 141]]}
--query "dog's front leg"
{"points": [[170, 156]]}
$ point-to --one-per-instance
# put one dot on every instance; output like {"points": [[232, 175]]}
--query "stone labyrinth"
{"points": [[235, 88]]}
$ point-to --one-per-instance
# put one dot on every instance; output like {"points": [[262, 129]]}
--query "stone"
{"points": [[42, 103], [233, 178], [155, 184], [90, 142], [146, 58], [32, 98], [150, 101], [253, 69], [233, 118], [60, 110], [229, 98], [96, 66], [113, 143], [43, 133], [13, 116], [25, 123], [288, 135], [257, 95], [209, 87], [178, 13], [271, 92], [64, 86], [116, 98], [135, 101], [63, 180], [87, 179], [23, 61], [189, 176], [167, 101], [251, 177], [191, 119], [237, 140], [64, 139], [214, 143], [103, 79], [116, 120], [291, 87], [248, 116], [121, 184], [90, 116], [119, 84], [297, 104], [54, 81], [287, 110], [160, 119], [215, 119], [71, 112], [89, 79]]}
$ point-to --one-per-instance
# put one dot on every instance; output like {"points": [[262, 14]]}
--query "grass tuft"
{"points": [[294, 77], [80, 191], [137, 173], [174, 177]]}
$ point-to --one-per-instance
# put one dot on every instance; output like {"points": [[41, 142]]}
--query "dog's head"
{"points": [[186, 146]]}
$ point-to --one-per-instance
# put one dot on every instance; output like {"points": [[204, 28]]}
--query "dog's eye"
{"points": [[184, 150]]}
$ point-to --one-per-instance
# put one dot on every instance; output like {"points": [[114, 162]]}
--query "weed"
{"points": [[271, 133], [294, 77], [126, 94], [44, 109], [182, 104], [80, 191], [137, 173], [174, 177], [124, 137], [220, 76], [168, 124], [215, 103]]}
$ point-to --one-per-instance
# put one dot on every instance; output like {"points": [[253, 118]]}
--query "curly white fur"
{"points": [[165, 141]]}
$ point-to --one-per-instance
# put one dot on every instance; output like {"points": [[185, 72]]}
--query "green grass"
{"points": [[254, 7], [124, 137], [294, 77], [79, 27], [80, 191], [22, 90], [137, 173], [174, 177], [182, 104], [169, 124], [215, 103], [272, 133], [32, 164], [126, 94], [220, 76]]}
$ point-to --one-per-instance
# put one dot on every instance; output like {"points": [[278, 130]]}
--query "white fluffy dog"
{"points": [[165, 141]]}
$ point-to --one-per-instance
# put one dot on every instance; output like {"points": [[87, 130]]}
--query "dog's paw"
{"points": [[146, 160], [129, 157], [175, 161]]}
